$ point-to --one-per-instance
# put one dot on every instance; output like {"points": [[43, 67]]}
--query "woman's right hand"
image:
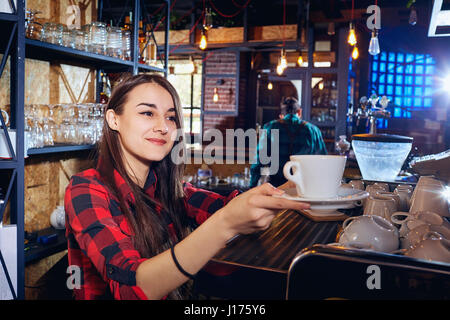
{"points": [[254, 210]]}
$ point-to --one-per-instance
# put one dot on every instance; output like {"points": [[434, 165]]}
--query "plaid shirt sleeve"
{"points": [[201, 204], [104, 243]]}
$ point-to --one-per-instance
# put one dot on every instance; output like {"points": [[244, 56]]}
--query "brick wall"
{"points": [[224, 63]]}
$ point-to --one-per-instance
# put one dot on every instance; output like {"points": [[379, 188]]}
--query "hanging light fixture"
{"points": [[300, 60], [355, 53], [283, 60], [331, 29], [374, 45], [282, 63], [203, 43], [280, 70], [207, 19], [270, 86], [351, 35]]}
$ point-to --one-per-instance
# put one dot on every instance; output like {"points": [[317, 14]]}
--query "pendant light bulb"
{"points": [[215, 95], [283, 60], [300, 60], [351, 36], [270, 86], [355, 53], [280, 70], [374, 45], [203, 43]]}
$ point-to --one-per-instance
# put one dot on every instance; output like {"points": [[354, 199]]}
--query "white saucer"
{"points": [[323, 213], [327, 209], [344, 196]]}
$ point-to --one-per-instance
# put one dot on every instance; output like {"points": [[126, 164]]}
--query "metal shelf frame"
{"points": [[14, 45]]}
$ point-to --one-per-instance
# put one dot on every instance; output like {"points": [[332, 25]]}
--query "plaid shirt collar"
{"points": [[125, 190]]}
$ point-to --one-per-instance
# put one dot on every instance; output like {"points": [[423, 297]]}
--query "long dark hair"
{"points": [[151, 235]]}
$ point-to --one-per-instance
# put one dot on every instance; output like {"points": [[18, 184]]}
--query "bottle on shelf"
{"points": [[142, 41], [150, 51], [104, 97], [126, 37], [128, 24]]}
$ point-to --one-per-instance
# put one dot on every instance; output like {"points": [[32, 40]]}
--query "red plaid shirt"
{"points": [[99, 236]]}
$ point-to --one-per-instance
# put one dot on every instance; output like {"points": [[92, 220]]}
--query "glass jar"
{"points": [[52, 32], [33, 28], [97, 37], [126, 45], [86, 29], [66, 39], [78, 39], [114, 42]]}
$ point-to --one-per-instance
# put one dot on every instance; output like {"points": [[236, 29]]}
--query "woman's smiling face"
{"points": [[146, 124]]}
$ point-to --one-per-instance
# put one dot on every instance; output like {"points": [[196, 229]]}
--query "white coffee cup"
{"points": [[408, 221], [370, 230], [316, 176], [405, 197], [405, 186], [347, 185], [382, 185], [389, 195], [357, 184], [380, 207], [432, 248], [429, 196], [418, 233], [371, 188]]}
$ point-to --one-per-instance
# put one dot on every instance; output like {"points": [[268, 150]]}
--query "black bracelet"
{"points": [[187, 274]]}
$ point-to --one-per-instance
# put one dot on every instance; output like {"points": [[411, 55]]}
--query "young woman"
{"points": [[134, 229]]}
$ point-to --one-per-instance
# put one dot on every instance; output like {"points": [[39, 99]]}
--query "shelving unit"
{"points": [[57, 149], [14, 44]]}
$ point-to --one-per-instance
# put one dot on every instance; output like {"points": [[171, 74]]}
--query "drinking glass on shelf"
{"points": [[97, 37], [28, 110], [32, 27], [83, 124], [66, 39], [87, 36], [37, 134], [126, 45], [114, 42], [98, 121], [52, 32], [66, 126], [43, 120], [78, 39]]}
